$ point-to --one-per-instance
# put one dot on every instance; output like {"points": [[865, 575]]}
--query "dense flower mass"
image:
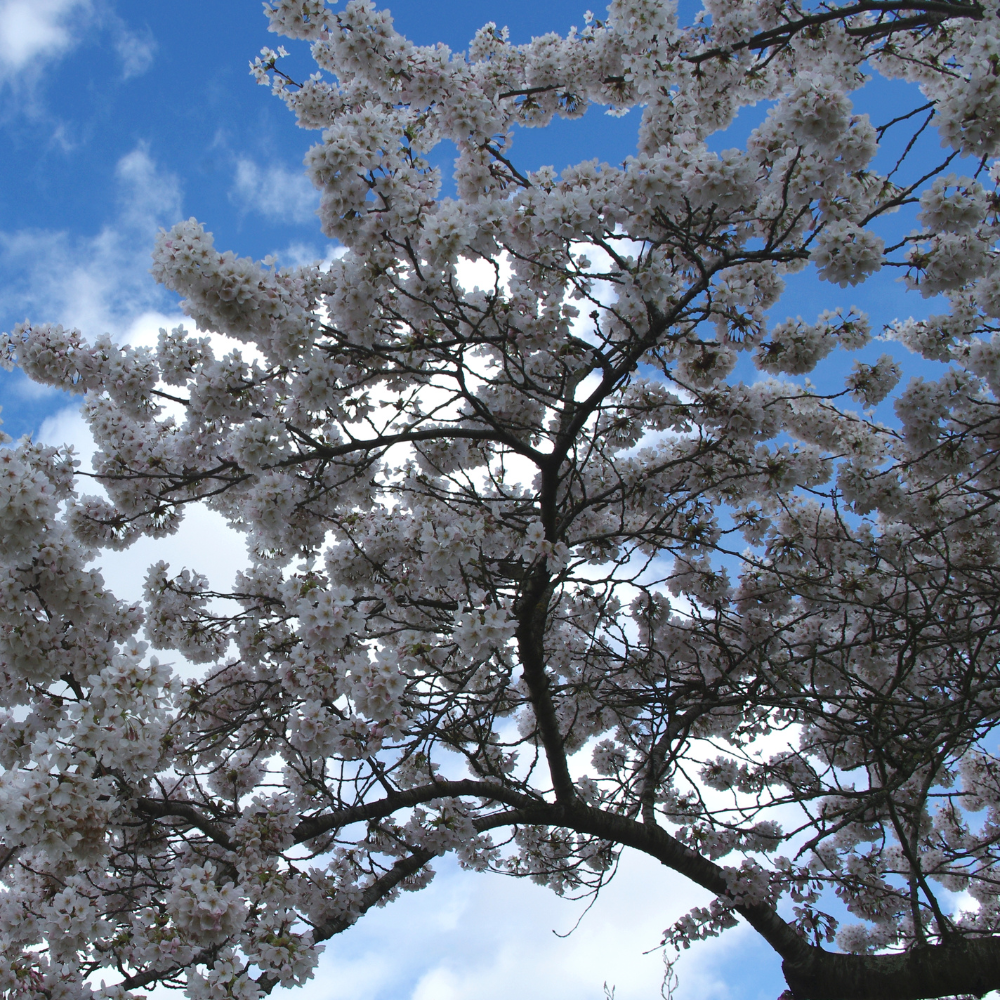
{"points": [[526, 554]]}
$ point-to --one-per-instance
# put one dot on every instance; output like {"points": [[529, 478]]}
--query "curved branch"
{"points": [[934, 13], [373, 895], [405, 437], [158, 809], [970, 966], [318, 825]]}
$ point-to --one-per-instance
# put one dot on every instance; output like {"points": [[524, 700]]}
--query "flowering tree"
{"points": [[497, 603]]}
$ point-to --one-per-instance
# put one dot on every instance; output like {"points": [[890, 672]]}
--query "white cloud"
{"points": [[490, 937], [36, 31], [275, 192], [298, 255], [98, 283], [135, 50], [147, 194]]}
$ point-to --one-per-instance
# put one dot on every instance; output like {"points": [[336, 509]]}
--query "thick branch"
{"points": [[141, 979], [669, 851], [408, 437], [190, 814], [970, 966], [532, 612], [962, 967], [934, 12], [318, 825], [373, 895]]}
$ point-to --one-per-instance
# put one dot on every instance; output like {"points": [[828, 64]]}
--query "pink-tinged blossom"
{"points": [[511, 513]]}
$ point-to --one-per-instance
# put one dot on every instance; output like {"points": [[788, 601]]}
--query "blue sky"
{"points": [[118, 118]]}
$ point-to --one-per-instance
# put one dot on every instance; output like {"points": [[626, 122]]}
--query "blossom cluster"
{"points": [[501, 526]]}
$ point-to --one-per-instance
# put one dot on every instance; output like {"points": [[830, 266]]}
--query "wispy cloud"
{"points": [[97, 283], [135, 49], [147, 194], [278, 193], [492, 937], [34, 32]]}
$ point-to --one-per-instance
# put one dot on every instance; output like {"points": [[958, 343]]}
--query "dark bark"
{"points": [[373, 895], [970, 967], [962, 966]]}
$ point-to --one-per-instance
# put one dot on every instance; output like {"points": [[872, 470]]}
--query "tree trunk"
{"points": [[965, 967]]}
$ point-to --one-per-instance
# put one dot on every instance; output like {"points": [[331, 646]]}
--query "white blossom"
{"points": [[204, 911], [846, 255], [495, 525]]}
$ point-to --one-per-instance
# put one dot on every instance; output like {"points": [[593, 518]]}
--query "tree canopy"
{"points": [[535, 575]]}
